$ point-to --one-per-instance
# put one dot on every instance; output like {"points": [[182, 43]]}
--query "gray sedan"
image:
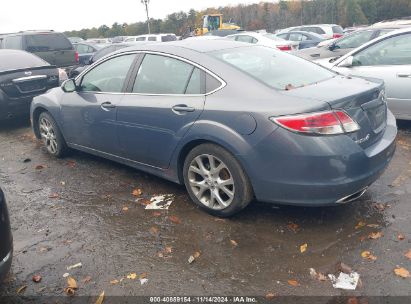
{"points": [[387, 58], [229, 120]]}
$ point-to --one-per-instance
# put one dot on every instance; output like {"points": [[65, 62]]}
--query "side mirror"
{"points": [[331, 46], [69, 86], [347, 62]]}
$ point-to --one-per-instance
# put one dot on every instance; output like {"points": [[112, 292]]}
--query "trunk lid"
{"points": [[28, 82], [362, 99]]}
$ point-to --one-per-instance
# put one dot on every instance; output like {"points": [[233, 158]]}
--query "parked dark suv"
{"points": [[6, 239], [53, 47]]}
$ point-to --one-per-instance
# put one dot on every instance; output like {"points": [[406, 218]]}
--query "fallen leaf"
{"points": [[408, 254], [100, 298], [362, 238], [54, 195], [360, 225], [375, 235], [373, 226], [66, 275], [137, 192], [234, 243], [197, 254], [344, 268], [86, 279], [154, 231], [157, 214], [36, 278], [380, 207], [174, 219], [270, 296], [401, 237], [293, 227], [21, 289], [352, 301], [71, 282], [402, 272], [69, 291], [62, 183], [132, 276], [71, 163], [168, 249], [42, 289], [143, 275], [293, 283], [321, 277], [193, 257], [125, 209], [303, 248], [367, 255], [114, 282], [39, 167]]}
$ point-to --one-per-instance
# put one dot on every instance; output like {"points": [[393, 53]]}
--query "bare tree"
{"points": [[146, 2]]}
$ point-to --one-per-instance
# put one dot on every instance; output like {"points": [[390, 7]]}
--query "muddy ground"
{"points": [[81, 209]]}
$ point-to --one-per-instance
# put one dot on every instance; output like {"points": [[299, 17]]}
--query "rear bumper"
{"points": [[5, 265], [10, 108], [317, 171]]}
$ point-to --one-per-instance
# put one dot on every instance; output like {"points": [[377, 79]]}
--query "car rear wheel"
{"points": [[51, 135], [216, 181]]}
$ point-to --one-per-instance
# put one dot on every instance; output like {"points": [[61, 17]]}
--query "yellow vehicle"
{"points": [[214, 22]]}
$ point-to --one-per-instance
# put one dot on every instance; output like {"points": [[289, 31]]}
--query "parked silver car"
{"points": [[389, 58]]}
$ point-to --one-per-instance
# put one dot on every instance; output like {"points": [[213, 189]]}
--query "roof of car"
{"points": [[200, 46]]}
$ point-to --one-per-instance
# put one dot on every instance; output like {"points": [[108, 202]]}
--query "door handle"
{"points": [[183, 108], [106, 106], [403, 75]]}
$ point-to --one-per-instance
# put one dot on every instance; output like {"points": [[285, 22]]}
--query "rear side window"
{"points": [[212, 84], [165, 75], [141, 39], [47, 42], [13, 42], [152, 39], [168, 38], [108, 76], [194, 85]]}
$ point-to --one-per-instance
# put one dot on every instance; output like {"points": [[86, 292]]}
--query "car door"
{"points": [[89, 114], [165, 100], [390, 60]]}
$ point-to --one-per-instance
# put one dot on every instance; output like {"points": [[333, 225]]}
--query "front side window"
{"points": [[165, 75], [108, 77], [274, 68], [141, 39], [245, 38], [295, 37], [152, 38], [354, 40], [391, 51]]}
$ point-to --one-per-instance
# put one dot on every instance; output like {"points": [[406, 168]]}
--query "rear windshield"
{"points": [[338, 30], [276, 69], [273, 37], [47, 42], [15, 60]]}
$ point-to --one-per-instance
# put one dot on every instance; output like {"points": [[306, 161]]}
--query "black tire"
{"points": [[61, 147], [242, 189]]}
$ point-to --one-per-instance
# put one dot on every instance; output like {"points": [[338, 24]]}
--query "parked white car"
{"points": [[388, 58], [266, 39], [152, 38], [328, 31]]}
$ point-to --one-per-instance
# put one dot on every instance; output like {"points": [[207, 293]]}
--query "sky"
{"points": [[64, 15]]}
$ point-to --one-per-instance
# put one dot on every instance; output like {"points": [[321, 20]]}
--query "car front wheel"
{"points": [[216, 181], [51, 135]]}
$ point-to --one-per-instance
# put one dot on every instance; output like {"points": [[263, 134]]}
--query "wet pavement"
{"points": [[81, 209]]}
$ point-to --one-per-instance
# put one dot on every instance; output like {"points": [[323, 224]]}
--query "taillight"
{"points": [[335, 36], [322, 123], [284, 47], [76, 56]]}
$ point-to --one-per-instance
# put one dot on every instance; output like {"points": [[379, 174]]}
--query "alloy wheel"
{"points": [[48, 135], [211, 181]]}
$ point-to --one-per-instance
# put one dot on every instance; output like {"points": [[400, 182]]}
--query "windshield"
{"points": [[47, 42], [276, 69]]}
